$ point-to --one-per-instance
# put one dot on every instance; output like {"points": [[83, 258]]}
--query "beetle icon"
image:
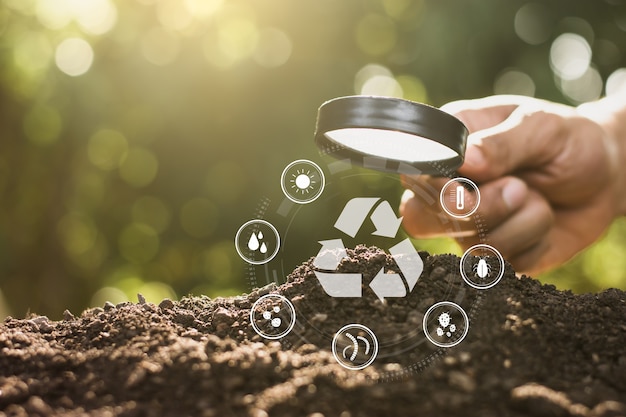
{"points": [[482, 268]]}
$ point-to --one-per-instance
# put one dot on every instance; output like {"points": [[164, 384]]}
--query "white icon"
{"points": [[257, 242], [272, 316], [355, 346], [482, 266], [302, 181], [276, 321], [460, 197], [384, 284], [445, 327], [449, 327], [254, 243]]}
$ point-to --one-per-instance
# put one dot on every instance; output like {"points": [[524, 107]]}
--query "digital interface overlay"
{"points": [[437, 322]]}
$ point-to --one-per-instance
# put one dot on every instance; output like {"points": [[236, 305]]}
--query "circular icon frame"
{"points": [[305, 180], [292, 321], [443, 304], [367, 330], [466, 256], [459, 191], [254, 261]]}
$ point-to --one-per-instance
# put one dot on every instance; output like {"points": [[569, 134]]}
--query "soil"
{"points": [[530, 350]]}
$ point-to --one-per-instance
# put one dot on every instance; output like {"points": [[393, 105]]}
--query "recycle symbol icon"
{"points": [[384, 284]]}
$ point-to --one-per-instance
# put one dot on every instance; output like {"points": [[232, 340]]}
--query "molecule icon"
{"points": [[276, 321]]}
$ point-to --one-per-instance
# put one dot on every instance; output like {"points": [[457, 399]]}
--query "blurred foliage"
{"points": [[138, 135]]}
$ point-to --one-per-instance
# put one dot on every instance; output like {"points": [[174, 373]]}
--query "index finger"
{"points": [[486, 112]]}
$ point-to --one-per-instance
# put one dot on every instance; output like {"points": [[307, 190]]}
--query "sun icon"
{"points": [[303, 182]]}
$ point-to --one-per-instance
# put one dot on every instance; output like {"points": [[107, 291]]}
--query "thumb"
{"points": [[517, 143]]}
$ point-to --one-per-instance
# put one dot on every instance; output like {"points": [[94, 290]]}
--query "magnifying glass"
{"points": [[391, 135]]}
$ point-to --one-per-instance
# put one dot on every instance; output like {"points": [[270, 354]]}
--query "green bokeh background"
{"points": [[137, 136]]}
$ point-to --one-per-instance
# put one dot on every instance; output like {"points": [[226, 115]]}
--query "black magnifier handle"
{"points": [[391, 135]]}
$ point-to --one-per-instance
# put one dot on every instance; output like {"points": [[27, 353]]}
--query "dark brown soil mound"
{"points": [[530, 350]]}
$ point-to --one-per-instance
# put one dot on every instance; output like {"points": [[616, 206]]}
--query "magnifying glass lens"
{"points": [[390, 144]]}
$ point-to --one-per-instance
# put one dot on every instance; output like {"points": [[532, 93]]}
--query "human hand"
{"points": [[549, 178]]}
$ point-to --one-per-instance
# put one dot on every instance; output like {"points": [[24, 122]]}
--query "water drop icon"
{"points": [[253, 243], [257, 241]]}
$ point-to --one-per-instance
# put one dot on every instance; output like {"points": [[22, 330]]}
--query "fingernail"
{"points": [[474, 157], [514, 193], [406, 196]]}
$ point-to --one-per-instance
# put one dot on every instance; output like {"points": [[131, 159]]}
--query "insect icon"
{"points": [[444, 320], [355, 346], [482, 268]]}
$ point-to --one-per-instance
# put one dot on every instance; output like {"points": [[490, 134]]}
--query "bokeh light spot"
{"points": [[128, 281], [95, 17], [234, 36], [376, 80], [42, 124], [159, 47], [151, 211], [588, 87], [74, 56], [605, 260], [570, 56], [273, 48], [53, 14], [173, 14], [111, 294], [398, 8], [138, 243], [577, 25], [368, 72], [237, 37], [199, 217], [512, 81], [154, 292], [382, 85], [93, 257], [412, 88], [32, 52], [376, 34], [616, 83], [139, 167], [203, 9], [106, 149], [533, 23]]}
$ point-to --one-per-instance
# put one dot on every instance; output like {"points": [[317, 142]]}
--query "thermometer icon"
{"points": [[460, 197]]}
